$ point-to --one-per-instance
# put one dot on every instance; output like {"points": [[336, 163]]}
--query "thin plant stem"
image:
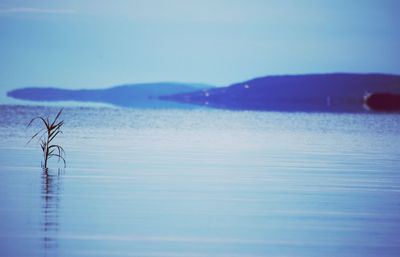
{"points": [[51, 130]]}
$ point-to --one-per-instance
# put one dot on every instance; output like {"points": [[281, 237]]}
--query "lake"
{"points": [[201, 182]]}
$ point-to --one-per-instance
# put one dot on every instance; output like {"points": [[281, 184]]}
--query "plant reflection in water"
{"points": [[50, 194]]}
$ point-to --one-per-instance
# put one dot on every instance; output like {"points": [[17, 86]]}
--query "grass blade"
{"points": [[57, 116], [46, 135]]}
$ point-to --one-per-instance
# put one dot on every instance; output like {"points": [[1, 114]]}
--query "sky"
{"points": [[97, 44]]}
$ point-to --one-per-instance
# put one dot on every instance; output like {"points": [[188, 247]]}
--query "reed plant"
{"points": [[46, 136]]}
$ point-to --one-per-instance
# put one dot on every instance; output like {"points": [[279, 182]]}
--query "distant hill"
{"points": [[132, 95], [316, 92]]}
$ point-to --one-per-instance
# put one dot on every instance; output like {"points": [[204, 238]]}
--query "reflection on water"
{"points": [[50, 195], [203, 183]]}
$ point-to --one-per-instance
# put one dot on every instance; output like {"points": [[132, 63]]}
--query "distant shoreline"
{"points": [[335, 92]]}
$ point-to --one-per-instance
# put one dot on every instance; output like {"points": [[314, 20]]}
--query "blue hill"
{"points": [[338, 92], [132, 95]]}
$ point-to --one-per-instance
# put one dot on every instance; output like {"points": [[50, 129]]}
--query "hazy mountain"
{"points": [[133, 95], [315, 92]]}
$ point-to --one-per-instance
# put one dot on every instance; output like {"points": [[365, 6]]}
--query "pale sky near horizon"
{"points": [[93, 44]]}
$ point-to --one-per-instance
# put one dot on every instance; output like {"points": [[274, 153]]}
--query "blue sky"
{"points": [[92, 43]]}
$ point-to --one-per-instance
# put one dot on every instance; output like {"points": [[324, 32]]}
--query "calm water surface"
{"points": [[202, 183]]}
